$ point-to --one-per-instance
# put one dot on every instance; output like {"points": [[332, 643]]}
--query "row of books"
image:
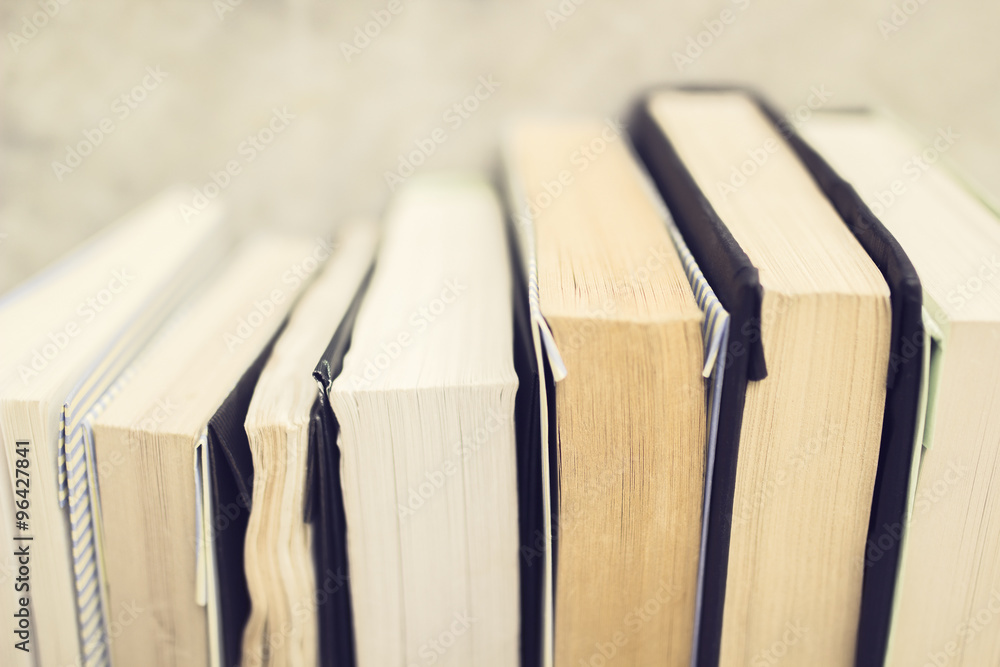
{"points": [[662, 392]]}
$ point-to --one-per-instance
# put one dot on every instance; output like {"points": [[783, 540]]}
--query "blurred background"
{"points": [[315, 102]]}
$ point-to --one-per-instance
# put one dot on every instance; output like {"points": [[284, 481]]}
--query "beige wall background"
{"points": [[228, 64]]}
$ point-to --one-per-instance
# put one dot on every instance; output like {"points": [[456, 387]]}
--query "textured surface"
{"points": [[224, 76]]}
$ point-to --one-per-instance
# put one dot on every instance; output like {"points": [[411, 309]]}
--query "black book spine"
{"points": [[735, 282], [325, 502], [232, 493], [527, 424]]}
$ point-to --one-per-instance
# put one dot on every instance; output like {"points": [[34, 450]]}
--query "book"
{"points": [[68, 335], [905, 401], [798, 453], [425, 407], [630, 414], [155, 485], [282, 580], [947, 581]]}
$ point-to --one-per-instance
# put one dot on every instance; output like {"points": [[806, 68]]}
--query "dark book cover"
{"points": [[324, 507], [232, 494], [735, 282], [527, 424]]}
